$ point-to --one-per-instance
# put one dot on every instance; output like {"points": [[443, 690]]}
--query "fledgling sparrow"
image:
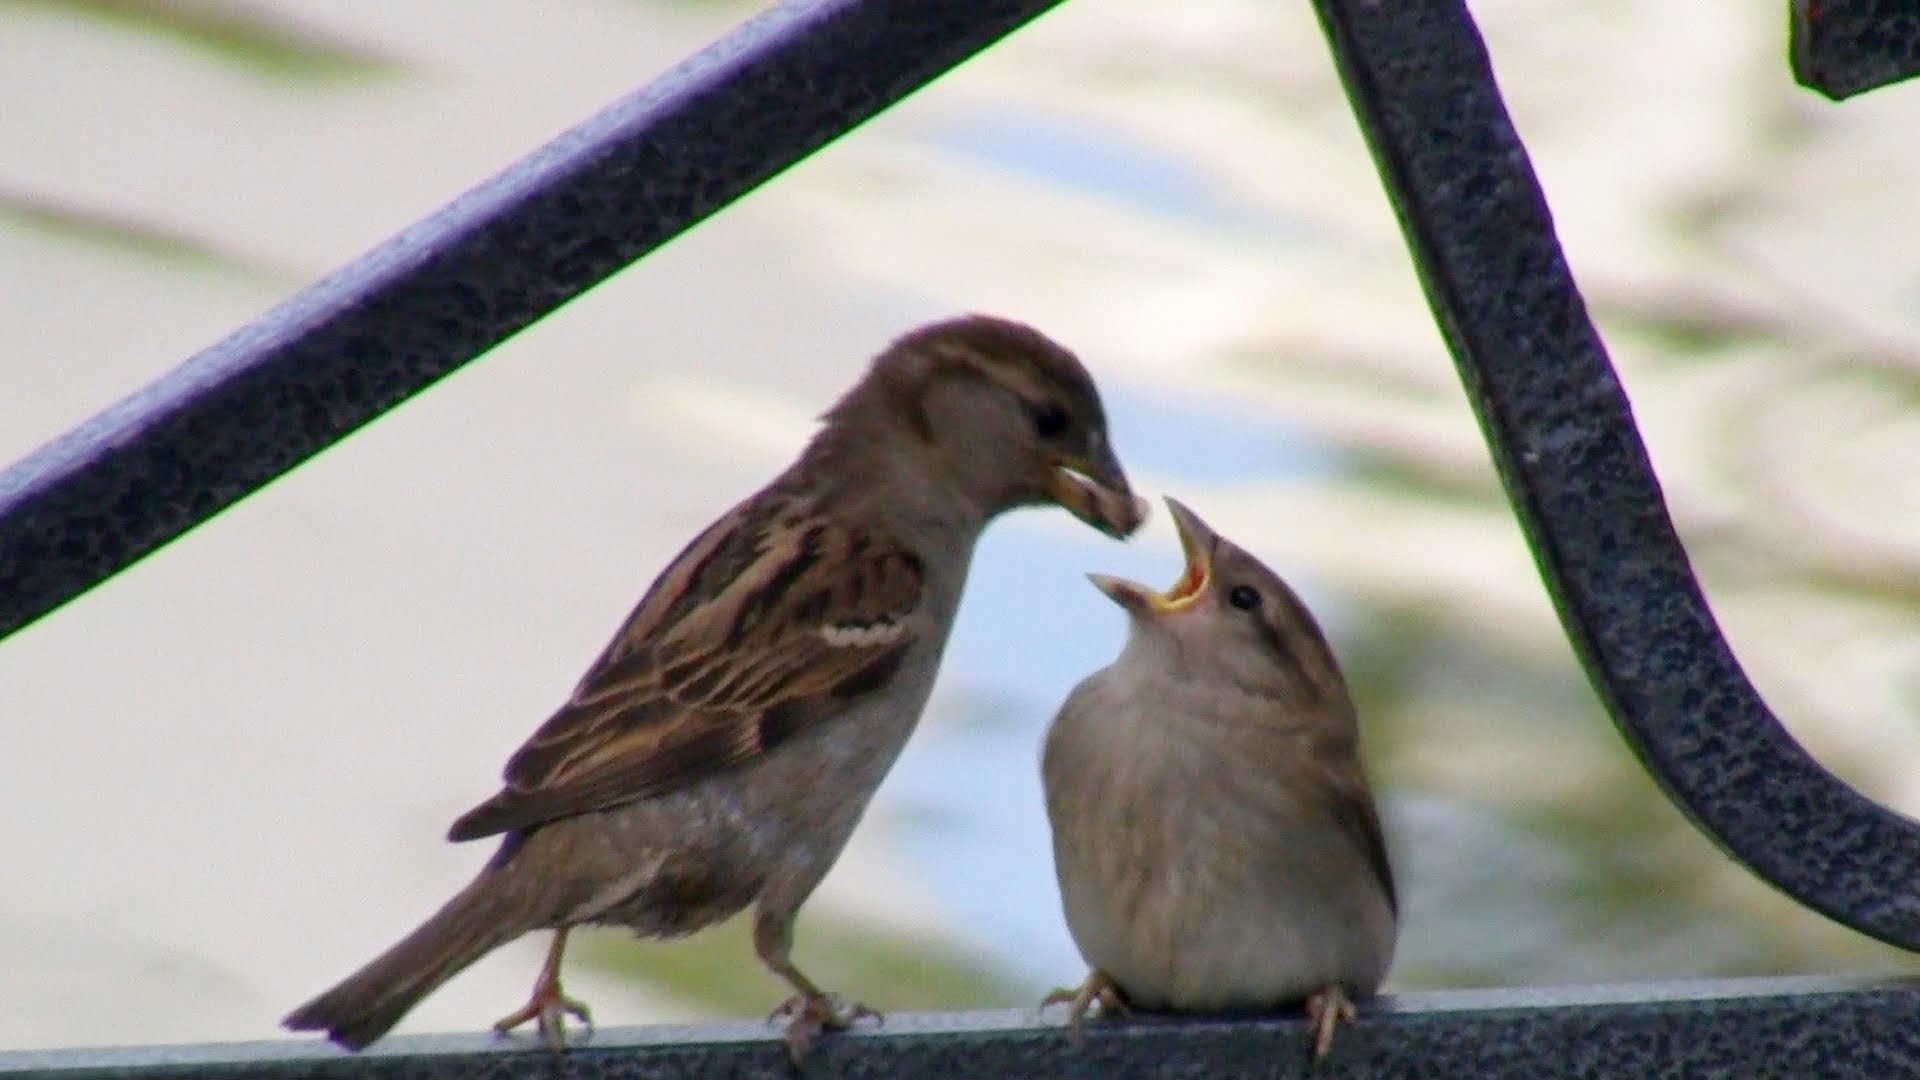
{"points": [[1213, 833], [722, 748]]}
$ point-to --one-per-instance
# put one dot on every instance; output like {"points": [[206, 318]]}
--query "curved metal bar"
{"points": [[1567, 449], [347, 349], [1847, 47]]}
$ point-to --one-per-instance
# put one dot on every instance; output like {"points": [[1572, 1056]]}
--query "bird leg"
{"points": [[548, 1008], [810, 1012], [1327, 1009], [1099, 988]]}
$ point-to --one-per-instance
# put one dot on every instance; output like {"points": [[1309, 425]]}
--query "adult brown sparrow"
{"points": [[1213, 833], [721, 750]]}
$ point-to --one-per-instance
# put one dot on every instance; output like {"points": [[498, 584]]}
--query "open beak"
{"points": [[1094, 489], [1196, 543]]}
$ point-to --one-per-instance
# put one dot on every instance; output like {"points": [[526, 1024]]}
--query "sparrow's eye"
{"points": [[1049, 421], [1244, 597]]}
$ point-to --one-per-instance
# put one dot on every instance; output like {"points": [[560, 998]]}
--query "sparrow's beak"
{"points": [[1094, 489], [1196, 541]]}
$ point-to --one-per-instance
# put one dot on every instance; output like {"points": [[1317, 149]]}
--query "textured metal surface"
{"points": [[1800, 1029], [347, 349], [1847, 47], [1564, 440]]}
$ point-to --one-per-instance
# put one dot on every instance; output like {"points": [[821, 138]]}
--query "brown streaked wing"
{"points": [[716, 683], [1353, 811]]}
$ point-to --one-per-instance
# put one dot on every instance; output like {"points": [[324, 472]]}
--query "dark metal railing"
{"points": [[1847, 47], [1779, 1029], [416, 308], [1565, 443], [1559, 427]]}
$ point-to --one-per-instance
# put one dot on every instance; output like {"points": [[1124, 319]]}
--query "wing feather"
{"points": [[1355, 814], [766, 625]]}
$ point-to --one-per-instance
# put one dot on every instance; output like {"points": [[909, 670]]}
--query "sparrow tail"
{"points": [[481, 918]]}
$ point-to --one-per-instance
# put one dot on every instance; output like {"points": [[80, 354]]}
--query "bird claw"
{"points": [[1327, 1010], [1098, 989], [810, 1016], [548, 1009]]}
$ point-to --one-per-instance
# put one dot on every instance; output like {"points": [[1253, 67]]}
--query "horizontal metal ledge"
{"points": [[1801, 1027]]}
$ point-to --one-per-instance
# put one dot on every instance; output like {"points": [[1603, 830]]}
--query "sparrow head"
{"points": [[1002, 415], [1228, 619]]}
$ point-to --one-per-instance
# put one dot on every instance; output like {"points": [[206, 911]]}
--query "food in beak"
{"points": [[1116, 513]]}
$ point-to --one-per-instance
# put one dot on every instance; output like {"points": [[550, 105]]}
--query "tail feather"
{"points": [[372, 1000]]}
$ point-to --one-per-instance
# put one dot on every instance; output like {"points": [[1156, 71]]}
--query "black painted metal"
{"points": [[1567, 448], [1800, 1029], [344, 351], [1847, 47]]}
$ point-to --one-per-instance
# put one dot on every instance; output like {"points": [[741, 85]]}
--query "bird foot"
{"points": [[1098, 989], [548, 1009], [809, 1016], [1327, 1010]]}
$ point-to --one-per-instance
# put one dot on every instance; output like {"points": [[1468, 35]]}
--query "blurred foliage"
{"points": [[129, 236], [1582, 869], [272, 45], [717, 971]]}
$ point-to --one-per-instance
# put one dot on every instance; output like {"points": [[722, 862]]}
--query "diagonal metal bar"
{"points": [[413, 310], [1847, 47], [1563, 437]]}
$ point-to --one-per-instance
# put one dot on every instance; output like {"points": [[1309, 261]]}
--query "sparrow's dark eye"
{"points": [[1049, 421], [1244, 597]]}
